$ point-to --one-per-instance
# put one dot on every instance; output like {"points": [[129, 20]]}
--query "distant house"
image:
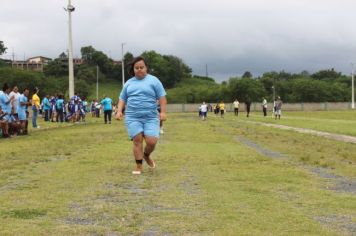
{"points": [[39, 60], [117, 62], [33, 63], [64, 59]]}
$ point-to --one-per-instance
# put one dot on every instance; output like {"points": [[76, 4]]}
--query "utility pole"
{"points": [[352, 88], [97, 82], [122, 64], [70, 9], [206, 70], [13, 57], [23, 62]]}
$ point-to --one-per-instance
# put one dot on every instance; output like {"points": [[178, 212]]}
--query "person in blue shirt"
{"points": [[107, 108], [22, 109], [5, 103], [140, 94], [59, 108], [52, 111], [46, 107]]}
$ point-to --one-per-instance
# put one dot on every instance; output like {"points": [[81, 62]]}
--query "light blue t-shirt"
{"points": [[141, 95], [46, 104], [107, 103], [5, 103], [22, 108], [59, 104]]}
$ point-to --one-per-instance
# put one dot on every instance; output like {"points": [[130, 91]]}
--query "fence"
{"points": [[332, 106]]}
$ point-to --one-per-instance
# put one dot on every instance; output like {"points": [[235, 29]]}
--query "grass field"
{"points": [[216, 177]]}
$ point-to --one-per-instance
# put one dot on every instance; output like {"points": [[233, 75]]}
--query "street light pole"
{"points": [[70, 9], [122, 64], [274, 97], [352, 88], [274, 93]]}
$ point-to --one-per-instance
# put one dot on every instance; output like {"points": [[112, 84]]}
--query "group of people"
{"points": [[56, 109], [219, 108], [13, 111], [277, 107]]}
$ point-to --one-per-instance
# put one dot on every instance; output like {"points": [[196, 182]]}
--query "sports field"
{"points": [[223, 176]]}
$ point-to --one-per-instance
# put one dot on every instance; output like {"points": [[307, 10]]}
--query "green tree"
{"points": [[2, 48], [93, 57], [56, 68], [82, 88], [87, 54], [128, 57], [247, 74], [326, 74], [169, 69], [87, 73], [242, 88]]}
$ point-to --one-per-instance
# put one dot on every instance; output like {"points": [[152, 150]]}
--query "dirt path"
{"points": [[338, 137]]}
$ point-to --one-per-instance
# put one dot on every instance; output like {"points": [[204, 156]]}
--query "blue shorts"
{"points": [[22, 115], [148, 125]]}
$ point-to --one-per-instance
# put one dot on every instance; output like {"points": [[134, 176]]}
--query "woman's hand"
{"points": [[162, 116], [118, 115]]}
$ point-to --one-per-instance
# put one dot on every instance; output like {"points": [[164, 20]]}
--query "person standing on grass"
{"points": [[278, 108], [248, 106], [5, 103], [36, 105], [236, 107], [140, 94], [15, 102], [264, 106], [22, 110], [46, 107], [97, 109], [222, 109], [204, 110], [59, 108], [107, 108]]}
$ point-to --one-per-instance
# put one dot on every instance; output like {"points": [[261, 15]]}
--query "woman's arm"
{"points": [[163, 105]]}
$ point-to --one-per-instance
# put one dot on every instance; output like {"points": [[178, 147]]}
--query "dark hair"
{"points": [[5, 87], [25, 89], [35, 90], [133, 62]]}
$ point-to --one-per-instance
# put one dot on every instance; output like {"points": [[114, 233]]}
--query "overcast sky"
{"points": [[229, 36]]}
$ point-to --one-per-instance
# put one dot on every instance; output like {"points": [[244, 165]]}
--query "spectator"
{"points": [[222, 109], [36, 104], [248, 106], [46, 107], [60, 108], [236, 107], [5, 103], [204, 110], [107, 107], [15, 103], [22, 111], [264, 106], [278, 108]]}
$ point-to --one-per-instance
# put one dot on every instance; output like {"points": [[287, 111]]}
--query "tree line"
{"points": [[184, 87]]}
